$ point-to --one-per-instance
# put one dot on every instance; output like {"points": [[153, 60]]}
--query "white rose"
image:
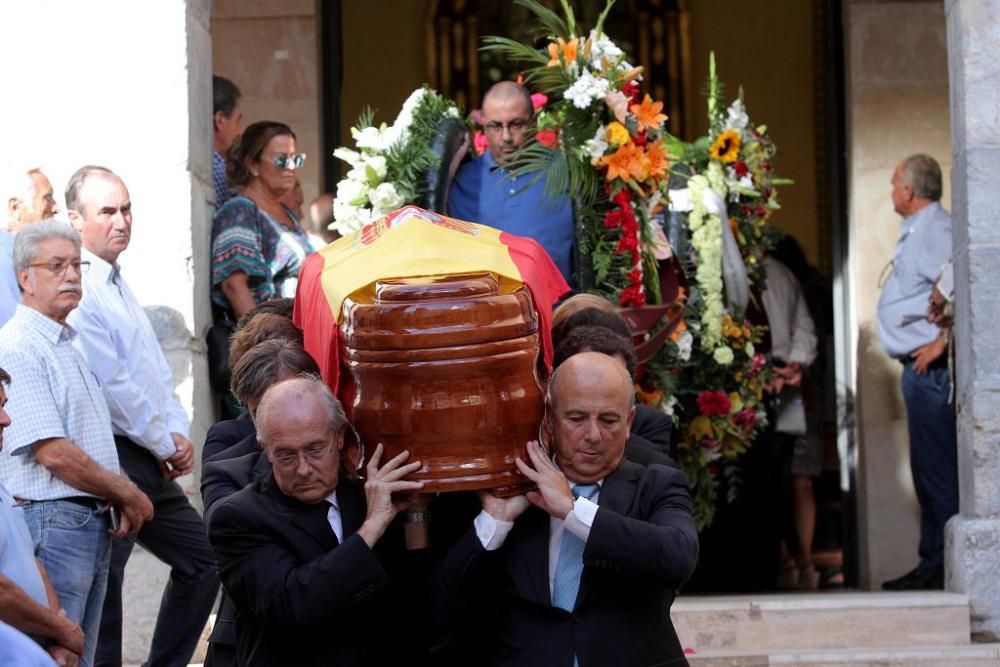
{"points": [[352, 192], [684, 344], [723, 355], [385, 198]]}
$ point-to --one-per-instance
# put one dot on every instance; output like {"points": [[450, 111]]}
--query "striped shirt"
{"points": [[52, 394]]}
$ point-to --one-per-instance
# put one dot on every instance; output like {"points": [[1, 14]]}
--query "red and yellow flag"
{"points": [[407, 243]]}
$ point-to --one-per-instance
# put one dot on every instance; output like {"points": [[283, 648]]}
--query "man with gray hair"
{"points": [[149, 423], [60, 461], [924, 247], [296, 550], [29, 199]]}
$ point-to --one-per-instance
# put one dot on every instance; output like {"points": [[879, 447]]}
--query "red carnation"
{"points": [[631, 90], [714, 403], [614, 219], [740, 168], [623, 198], [746, 419], [547, 138], [640, 139]]}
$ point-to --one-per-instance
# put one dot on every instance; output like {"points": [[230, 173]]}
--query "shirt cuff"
{"points": [[491, 532], [581, 519], [165, 449]]}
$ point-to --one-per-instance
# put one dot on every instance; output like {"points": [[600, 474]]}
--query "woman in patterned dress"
{"points": [[257, 243]]}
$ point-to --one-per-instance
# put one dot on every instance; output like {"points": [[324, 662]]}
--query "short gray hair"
{"points": [[305, 384], [923, 174], [27, 240], [77, 180]]}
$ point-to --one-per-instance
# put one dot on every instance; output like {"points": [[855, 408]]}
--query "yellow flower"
{"points": [[567, 49], [617, 134], [726, 147], [735, 403], [701, 427]]}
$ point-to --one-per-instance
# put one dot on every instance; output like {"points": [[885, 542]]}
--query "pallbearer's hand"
{"points": [[554, 494], [380, 485]]}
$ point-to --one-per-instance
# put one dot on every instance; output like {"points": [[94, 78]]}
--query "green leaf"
{"points": [[551, 22], [371, 175]]}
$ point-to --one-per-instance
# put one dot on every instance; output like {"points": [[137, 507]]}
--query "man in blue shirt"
{"points": [[485, 192], [924, 247]]}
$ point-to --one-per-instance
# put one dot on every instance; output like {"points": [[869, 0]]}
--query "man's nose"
{"points": [[4, 419], [301, 466], [593, 430]]}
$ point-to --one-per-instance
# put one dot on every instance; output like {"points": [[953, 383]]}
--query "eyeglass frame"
{"points": [[315, 457], [281, 161], [59, 268], [496, 127]]}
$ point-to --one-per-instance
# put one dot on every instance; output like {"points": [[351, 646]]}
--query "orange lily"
{"points": [[627, 161], [656, 157], [647, 114], [568, 50]]}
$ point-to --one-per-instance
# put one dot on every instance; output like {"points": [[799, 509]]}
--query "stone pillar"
{"points": [[973, 537], [127, 85]]}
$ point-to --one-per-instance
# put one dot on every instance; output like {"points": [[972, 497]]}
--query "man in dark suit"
{"points": [[295, 549], [587, 573]]}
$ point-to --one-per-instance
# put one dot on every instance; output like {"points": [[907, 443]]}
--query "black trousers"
{"points": [[177, 536]]}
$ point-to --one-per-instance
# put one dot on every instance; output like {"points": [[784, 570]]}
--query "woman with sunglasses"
{"points": [[257, 243]]}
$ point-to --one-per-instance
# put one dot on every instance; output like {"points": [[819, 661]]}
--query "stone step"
{"points": [[828, 620], [976, 655]]}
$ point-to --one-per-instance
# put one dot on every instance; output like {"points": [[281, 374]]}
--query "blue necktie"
{"points": [[569, 565]]}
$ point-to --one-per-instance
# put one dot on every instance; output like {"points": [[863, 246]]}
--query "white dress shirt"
{"points": [[121, 349], [793, 334], [492, 532], [334, 517]]}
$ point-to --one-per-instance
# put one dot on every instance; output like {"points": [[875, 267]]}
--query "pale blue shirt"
{"points": [[924, 246], [17, 550], [52, 394], [10, 293], [19, 650], [120, 347]]}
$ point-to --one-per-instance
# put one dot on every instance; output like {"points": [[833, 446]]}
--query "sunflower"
{"points": [[727, 147]]}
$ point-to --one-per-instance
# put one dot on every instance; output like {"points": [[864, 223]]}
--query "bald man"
{"points": [[591, 560], [29, 199], [485, 191]]}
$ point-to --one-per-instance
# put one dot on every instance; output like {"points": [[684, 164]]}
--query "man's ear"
{"points": [[24, 281], [75, 220], [217, 119], [14, 205]]}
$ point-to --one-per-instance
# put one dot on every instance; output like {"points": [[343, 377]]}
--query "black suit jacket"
{"points": [[301, 598], [654, 426], [642, 546], [226, 434]]}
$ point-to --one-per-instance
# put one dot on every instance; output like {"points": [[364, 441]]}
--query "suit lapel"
{"points": [[617, 493], [535, 558], [310, 519]]}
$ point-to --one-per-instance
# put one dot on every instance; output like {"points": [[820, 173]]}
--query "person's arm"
{"points": [[71, 464], [23, 612], [50, 592], [236, 289]]}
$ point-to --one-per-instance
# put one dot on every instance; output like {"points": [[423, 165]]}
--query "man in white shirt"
{"points": [[589, 572], [60, 461], [150, 426]]}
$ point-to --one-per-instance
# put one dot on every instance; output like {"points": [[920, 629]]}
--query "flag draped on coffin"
{"points": [[408, 243]]}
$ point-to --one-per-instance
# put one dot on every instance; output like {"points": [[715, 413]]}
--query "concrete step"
{"points": [[976, 655], [828, 620]]}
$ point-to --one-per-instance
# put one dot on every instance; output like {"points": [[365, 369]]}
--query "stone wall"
{"points": [[897, 104]]}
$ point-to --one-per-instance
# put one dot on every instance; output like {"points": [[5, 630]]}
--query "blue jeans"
{"points": [[73, 543], [930, 420]]}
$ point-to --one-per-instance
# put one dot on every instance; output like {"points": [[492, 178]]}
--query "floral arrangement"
{"points": [[715, 375], [388, 163], [599, 140]]}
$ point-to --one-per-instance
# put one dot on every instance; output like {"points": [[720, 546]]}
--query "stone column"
{"points": [[973, 536]]}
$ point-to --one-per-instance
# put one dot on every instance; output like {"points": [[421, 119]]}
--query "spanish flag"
{"points": [[408, 243]]}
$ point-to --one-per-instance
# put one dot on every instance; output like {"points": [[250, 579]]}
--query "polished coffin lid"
{"points": [[446, 367]]}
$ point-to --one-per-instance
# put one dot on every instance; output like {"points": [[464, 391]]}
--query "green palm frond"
{"points": [[514, 50], [366, 118], [599, 28], [552, 25]]}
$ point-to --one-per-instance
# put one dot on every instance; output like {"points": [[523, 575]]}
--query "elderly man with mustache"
{"points": [[60, 462]]}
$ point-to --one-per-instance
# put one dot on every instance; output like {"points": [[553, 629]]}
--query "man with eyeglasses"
{"points": [[301, 550], [29, 200], [484, 191], [150, 426], [60, 461]]}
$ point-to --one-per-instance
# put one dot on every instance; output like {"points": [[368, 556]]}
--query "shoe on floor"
{"points": [[917, 581]]}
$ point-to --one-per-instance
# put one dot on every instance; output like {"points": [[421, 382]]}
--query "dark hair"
{"points": [[264, 363], [77, 180], [267, 326], [281, 306], [249, 147], [591, 317], [4, 377], [590, 338], [225, 96]]}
